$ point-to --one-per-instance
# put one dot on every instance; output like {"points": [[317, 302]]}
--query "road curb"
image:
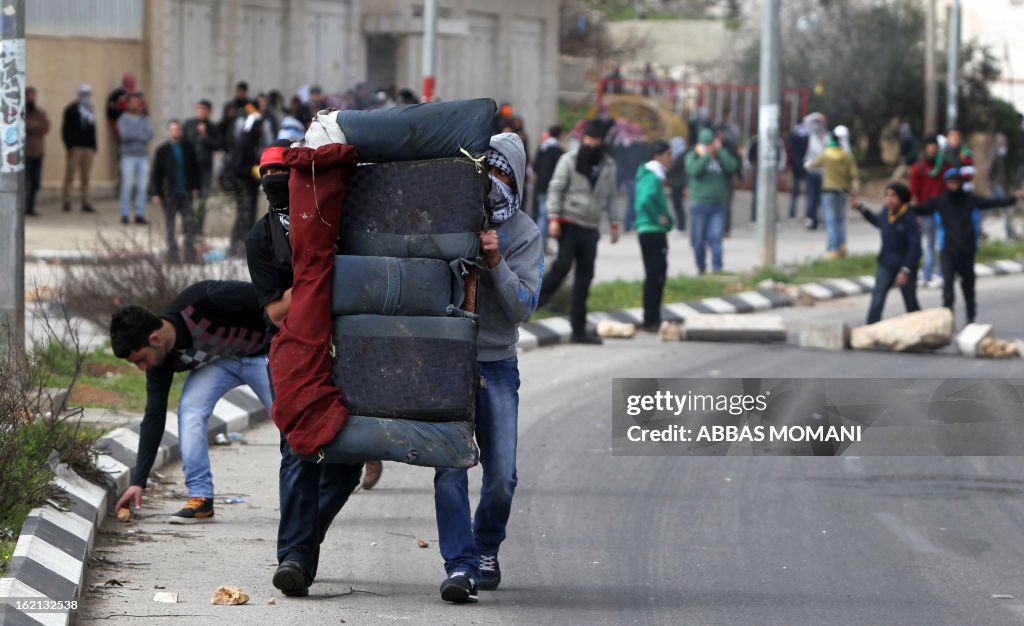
{"points": [[557, 330], [53, 548]]}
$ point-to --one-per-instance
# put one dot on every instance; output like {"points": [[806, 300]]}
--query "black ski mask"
{"points": [[276, 188]]}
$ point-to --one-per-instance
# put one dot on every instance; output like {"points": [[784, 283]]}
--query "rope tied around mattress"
{"points": [[477, 161], [316, 201]]}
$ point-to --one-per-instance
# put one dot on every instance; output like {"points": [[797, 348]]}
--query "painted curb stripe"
{"points": [[545, 336], [740, 304]]}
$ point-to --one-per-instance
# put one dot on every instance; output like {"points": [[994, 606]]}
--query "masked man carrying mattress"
{"points": [[509, 286], [312, 494]]}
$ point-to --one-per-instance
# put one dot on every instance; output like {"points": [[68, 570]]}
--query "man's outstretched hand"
{"points": [[131, 495]]}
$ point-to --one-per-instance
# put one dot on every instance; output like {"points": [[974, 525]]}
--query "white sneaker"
{"points": [[935, 283]]}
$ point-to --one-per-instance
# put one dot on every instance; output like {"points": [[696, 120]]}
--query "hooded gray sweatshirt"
{"points": [[508, 291]]}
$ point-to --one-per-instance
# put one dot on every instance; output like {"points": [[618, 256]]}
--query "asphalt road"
{"points": [[601, 539]]}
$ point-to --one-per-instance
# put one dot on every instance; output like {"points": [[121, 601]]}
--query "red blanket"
{"points": [[308, 407]]}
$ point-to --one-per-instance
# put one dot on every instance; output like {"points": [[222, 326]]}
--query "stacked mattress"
{"points": [[404, 329]]}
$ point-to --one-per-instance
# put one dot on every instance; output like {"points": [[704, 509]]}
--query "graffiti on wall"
{"points": [[12, 106]]}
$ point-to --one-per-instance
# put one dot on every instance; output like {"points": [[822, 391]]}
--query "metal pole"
{"points": [[931, 113], [429, 48], [768, 135], [953, 69], [12, 174]]}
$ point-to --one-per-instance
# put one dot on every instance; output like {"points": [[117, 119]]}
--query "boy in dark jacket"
{"points": [[901, 250], [174, 185], [957, 215]]}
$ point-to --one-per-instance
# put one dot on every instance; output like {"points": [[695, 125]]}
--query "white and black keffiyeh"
{"points": [[498, 160], [504, 198]]}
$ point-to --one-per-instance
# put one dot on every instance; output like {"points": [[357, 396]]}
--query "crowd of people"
{"points": [[180, 176], [823, 169]]}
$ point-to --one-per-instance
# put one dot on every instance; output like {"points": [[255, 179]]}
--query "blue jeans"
{"points": [[311, 494], [134, 171], [629, 220], [928, 231], [885, 277], [707, 223], [794, 193], [542, 218], [814, 181], [203, 388], [833, 205], [463, 540]]}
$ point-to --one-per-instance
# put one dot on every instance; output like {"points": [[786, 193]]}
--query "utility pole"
{"points": [[953, 68], [12, 174], [429, 48], [768, 135], [931, 113]]}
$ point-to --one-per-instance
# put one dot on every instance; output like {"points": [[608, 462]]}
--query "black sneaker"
{"points": [[651, 328], [67, 207], [125, 220], [490, 572], [196, 511], [459, 588], [291, 578], [87, 208], [141, 220], [588, 340]]}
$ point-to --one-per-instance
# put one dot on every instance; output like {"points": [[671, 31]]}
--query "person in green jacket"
{"points": [[653, 222], [709, 167]]}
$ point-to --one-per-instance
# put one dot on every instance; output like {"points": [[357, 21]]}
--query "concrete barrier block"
{"points": [[734, 327], [920, 331], [824, 334], [968, 342]]}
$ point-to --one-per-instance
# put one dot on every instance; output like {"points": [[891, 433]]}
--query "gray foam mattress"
{"points": [[419, 368]]}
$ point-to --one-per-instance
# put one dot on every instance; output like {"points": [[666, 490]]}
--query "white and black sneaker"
{"points": [[490, 572], [459, 588]]}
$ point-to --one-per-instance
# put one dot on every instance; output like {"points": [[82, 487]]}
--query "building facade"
{"points": [[184, 50]]}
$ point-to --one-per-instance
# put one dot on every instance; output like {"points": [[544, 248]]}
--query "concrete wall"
{"points": [[493, 48], [192, 49], [55, 66], [675, 43], [508, 51]]}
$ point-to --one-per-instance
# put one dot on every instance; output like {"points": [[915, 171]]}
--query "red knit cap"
{"points": [[272, 156]]}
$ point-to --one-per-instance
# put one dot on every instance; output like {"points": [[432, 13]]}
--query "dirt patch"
{"points": [[88, 395], [101, 370]]}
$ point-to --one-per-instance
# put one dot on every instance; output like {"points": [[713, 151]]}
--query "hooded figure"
{"points": [[510, 158], [509, 283]]}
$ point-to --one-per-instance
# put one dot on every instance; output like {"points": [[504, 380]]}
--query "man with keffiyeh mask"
{"points": [[78, 132], [509, 282], [581, 189]]}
